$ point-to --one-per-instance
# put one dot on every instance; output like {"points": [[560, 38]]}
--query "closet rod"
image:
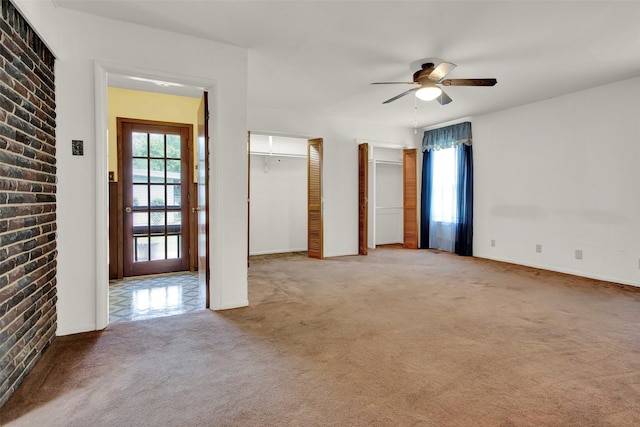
{"points": [[389, 162], [301, 156]]}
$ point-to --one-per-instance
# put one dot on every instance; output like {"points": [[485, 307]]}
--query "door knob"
{"points": [[194, 210], [127, 209]]}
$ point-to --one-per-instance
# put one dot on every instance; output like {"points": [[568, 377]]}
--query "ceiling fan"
{"points": [[427, 79]]}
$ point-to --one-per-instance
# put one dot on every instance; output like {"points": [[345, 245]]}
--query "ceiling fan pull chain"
{"points": [[415, 116]]}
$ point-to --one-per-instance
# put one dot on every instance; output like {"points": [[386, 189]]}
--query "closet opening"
{"points": [[278, 194], [387, 189]]}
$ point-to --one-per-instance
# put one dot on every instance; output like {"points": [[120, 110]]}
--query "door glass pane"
{"points": [[173, 251], [157, 195], [174, 195], [140, 223], [174, 221], [140, 195], [140, 170], [157, 219], [139, 147], [157, 170], [173, 146], [141, 248], [157, 247], [173, 171], [156, 145]]}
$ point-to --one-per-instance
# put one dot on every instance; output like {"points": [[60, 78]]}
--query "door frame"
{"points": [[101, 72], [192, 200]]}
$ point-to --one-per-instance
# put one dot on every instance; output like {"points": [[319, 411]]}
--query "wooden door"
{"points": [[155, 188], [203, 193], [314, 199], [410, 198], [363, 199]]}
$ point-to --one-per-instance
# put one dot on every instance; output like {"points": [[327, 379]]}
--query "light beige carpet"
{"points": [[398, 338]]}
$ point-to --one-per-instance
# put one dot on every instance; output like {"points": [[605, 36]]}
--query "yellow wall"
{"points": [[134, 104]]}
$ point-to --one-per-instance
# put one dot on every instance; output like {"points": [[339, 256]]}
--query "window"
{"points": [[446, 220], [444, 186]]}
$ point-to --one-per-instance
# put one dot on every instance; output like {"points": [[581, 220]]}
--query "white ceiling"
{"points": [[319, 57]]}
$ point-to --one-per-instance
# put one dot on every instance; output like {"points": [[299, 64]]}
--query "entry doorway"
{"points": [[160, 164]]}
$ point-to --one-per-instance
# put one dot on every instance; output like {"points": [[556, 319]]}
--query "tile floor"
{"points": [[146, 297]]}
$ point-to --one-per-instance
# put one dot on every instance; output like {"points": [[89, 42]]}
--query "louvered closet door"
{"points": [[363, 199], [410, 196], [314, 198]]}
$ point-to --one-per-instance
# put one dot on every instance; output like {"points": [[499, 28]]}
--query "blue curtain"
{"points": [[425, 197], [457, 137], [464, 228], [447, 137]]}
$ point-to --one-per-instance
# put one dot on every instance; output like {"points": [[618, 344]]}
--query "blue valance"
{"points": [[447, 137]]}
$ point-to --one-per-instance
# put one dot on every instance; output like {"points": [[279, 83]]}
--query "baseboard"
{"points": [[340, 254], [284, 251], [564, 271], [67, 330], [240, 304]]}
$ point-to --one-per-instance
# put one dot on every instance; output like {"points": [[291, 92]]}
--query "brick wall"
{"points": [[27, 199]]}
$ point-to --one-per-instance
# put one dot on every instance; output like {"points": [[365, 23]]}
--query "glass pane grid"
{"points": [[157, 174]]}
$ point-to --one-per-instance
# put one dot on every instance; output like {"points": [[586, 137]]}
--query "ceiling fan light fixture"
{"points": [[428, 93]]}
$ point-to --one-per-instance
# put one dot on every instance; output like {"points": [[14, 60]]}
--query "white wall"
{"points": [[386, 219], [340, 155], [278, 209], [78, 41], [563, 173], [389, 208]]}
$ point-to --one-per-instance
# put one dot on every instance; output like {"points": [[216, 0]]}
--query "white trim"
{"points": [[278, 252], [102, 70], [383, 144], [216, 165], [243, 303], [562, 270], [102, 199], [62, 330]]}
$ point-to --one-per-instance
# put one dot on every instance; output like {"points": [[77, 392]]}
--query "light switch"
{"points": [[77, 147]]}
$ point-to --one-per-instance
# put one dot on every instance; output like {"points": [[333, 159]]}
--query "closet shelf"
{"points": [[300, 156]]}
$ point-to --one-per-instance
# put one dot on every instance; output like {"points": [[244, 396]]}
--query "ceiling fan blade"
{"points": [[469, 82], [395, 83], [441, 70], [401, 95], [444, 99]]}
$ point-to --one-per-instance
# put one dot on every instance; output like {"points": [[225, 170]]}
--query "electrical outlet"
{"points": [[578, 254], [493, 243], [539, 249]]}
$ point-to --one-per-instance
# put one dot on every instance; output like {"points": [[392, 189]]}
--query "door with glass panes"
{"points": [[155, 185]]}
